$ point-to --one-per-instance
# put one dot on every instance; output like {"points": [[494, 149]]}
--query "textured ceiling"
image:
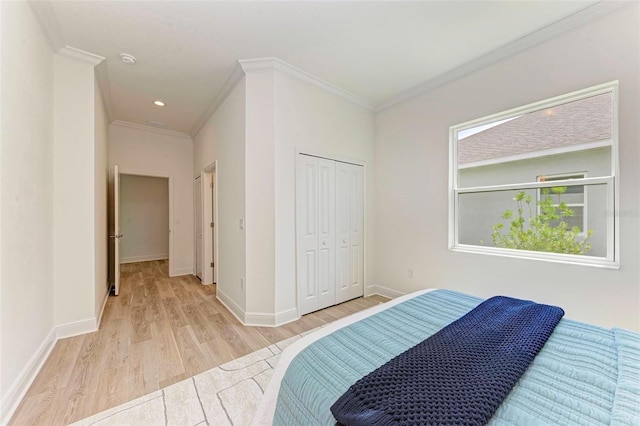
{"points": [[186, 50]]}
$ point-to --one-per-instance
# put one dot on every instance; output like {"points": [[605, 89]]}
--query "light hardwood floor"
{"points": [[158, 331]]}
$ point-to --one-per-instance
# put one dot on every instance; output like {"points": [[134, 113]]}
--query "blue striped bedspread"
{"points": [[584, 375]]}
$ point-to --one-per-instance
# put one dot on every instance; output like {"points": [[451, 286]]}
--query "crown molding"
{"points": [[267, 64], [81, 55], [571, 22], [142, 127], [231, 82], [43, 11]]}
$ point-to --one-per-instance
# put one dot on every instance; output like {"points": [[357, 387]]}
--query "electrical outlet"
{"points": [[241, 283], [410, 273], [241, 223]]}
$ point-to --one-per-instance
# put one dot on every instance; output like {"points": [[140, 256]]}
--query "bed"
{"points": [[583, 375]]}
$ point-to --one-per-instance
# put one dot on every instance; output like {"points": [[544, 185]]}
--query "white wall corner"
{"points": [[275, 64], [104, 305], [81, 55], [259, 319], [234, 78], [232, 306], [102, 77], [43, 11], [286, 316], [76, 328], [382, 291], [21, 385]]}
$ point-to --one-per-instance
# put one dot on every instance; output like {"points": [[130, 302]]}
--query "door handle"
{"points": [[116, 236]]}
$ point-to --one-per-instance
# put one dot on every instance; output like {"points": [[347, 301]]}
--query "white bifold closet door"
{"points": [[329, 220], [349, 234]]}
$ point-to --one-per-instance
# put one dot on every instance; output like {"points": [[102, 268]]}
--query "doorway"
{"points": [[207, 206], [144, 218], [199, 229]]}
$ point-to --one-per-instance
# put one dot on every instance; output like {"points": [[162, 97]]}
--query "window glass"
{"points": [[504, 169]]}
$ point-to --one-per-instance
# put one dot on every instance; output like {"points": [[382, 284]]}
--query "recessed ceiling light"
{"points": [[127, 58], [158, 103]]}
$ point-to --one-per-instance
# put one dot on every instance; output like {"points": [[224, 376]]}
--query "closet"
{"points": [[329, 232]]}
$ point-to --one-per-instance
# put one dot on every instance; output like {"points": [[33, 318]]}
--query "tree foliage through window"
{"points": [[546, 231]]}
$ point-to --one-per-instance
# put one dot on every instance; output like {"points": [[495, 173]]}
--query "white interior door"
{"points": [[213, 228], [349, 231], [198, 207], [114, 229], [326, 233], [315, 231]]}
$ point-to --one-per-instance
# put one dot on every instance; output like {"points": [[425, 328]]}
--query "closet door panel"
{"points": [[326, 234], [343, 216], [356, 234], [307, 234], [349, 223]]}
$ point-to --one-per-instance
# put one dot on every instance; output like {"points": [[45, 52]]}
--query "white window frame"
{"points": [[569, 176], [612, 258]]}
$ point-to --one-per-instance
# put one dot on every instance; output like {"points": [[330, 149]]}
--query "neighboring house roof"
{"points": [[574, 123]]}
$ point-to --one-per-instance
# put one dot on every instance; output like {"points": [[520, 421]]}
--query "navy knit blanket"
{"points": [[459, 375]]}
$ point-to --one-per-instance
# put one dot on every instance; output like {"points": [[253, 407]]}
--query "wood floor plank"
{"points": [[139, 297], [60, 364], [174, 312], [151, 291], [164, 288], [199, 323], [156, 332], [142, 368], [85, 374], [75, 408], [112, 390], [154, 311], [140, 330], [117, 338], [40, 408], [168, 355], [193, 359]]}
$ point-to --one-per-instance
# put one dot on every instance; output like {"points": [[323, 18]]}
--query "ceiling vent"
{"points": [[158, 124]]}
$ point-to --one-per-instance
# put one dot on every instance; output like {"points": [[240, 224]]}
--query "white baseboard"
{"points": [[259, 319], [21, 385], [76, 328], [182, 271], [285, 317], [232, 306], [144, 258], [383, 291]]}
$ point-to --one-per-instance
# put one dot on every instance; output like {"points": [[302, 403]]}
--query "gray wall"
{"points": [[144, 218]]}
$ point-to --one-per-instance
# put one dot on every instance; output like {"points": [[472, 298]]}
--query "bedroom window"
{"points": [[539, 181]]}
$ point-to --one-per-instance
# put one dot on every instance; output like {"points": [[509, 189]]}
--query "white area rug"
{"points": [[225, 395]]}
